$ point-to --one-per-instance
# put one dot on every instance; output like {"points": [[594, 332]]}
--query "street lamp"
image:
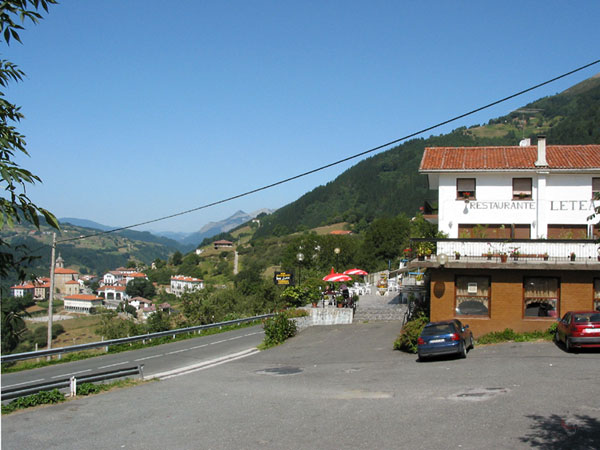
{"points": [[300, 258], [337, 257]]}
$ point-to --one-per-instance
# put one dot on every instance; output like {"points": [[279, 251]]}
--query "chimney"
{"points": [[541, 151]]}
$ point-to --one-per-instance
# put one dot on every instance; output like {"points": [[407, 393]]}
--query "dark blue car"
{"points": [[445, 338]]}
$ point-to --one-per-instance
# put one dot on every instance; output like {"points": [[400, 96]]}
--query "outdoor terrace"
{"points": [[527, 253]]}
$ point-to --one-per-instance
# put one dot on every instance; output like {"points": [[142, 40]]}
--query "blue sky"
{"points": [[140, 109]]}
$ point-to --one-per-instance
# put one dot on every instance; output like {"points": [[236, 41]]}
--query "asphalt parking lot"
{"points": [[341, 387]]}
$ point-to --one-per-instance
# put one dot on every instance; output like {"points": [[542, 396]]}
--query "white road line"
{"points": [[218, 342], [178, 351], [25, 382], [199, 346], [148, 357], [204, 365], [252, 334], [234, 338], [73, 373], [113, 365]]}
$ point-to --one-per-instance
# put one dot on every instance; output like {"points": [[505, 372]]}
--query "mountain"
{"points": [[213, 228], [143, 236], [85, 223], [388, 183]]}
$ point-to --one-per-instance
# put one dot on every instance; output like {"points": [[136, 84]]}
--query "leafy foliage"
{"points": [[278, 329], [407, 340], [140, 287], [509, 335], [41, 398]]}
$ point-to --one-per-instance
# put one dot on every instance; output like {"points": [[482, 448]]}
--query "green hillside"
{"points": [[388, 183], [94, 255]]}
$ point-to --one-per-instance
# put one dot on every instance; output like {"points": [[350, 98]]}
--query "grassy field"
{"points": [[79, 330]]}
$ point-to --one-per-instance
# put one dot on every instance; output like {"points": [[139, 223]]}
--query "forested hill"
{"points": [[388, 184]]}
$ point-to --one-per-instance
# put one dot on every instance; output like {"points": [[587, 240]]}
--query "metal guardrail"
{"points": [[125, 340], [34, 388]]}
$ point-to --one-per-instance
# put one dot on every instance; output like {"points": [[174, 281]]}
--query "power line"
{"points": [[340, 161]]}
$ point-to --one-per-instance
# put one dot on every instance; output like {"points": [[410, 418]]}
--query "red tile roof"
{"points": [[83, 297], [136, 275], [505, 158], [72, 282], [184, 278], [65, 271]]}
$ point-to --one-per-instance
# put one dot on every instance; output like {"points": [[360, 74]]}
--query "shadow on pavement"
{"points": [[556, 432]]}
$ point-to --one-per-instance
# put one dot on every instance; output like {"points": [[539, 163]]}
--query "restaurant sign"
{"points": [[555, 205], [283, 278]]}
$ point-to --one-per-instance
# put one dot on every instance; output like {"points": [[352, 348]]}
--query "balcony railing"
{"points": [[523, 250]]}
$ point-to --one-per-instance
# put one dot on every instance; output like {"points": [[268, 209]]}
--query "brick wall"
{"points": [[506, 305]]}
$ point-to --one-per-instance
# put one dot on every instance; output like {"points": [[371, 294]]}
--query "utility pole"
{"points": [[52, 264]]}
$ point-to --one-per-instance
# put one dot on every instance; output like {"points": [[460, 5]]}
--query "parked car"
{"points": [[443, 338], [579, 329]]}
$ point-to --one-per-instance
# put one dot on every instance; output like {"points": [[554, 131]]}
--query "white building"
{"points": [[521, 248], [81, 303], [498, 192], [181, 284]]}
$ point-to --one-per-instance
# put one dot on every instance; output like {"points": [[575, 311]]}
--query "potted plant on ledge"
{"points": [[572, 256], [503, 257]]}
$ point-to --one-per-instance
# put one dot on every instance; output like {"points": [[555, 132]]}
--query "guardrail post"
{"points": [[73, 387], [141, 369]]}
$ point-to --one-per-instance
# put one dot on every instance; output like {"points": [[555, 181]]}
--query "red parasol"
{"points": [[356, 272], [335, 277]]}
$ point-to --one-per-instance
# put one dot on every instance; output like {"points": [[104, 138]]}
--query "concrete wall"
{"points": [[506, 304]]}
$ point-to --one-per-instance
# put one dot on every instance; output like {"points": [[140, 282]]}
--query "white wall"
{"points": [[557, 199]]}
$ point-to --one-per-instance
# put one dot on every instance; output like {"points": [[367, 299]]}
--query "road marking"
{"points": [[252, 334], [234, 338], [199, 346], [148, 357], [218, 342], [204, 365], [73, 373], [178, 351], [25, 382], [113, 365]]}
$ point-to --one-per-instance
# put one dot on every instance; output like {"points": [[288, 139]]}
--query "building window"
{"points": [[566, 231], [521, 188], [465, 188], [472, 296], [540, 298], [595, 188], [597, 294]]}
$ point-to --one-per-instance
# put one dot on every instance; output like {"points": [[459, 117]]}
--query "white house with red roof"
{"points": [[21, 290], [113, 293], [134, 276], [81, 303], [181, 284], [140, 303], [222, 244], [522, 249], [39, 289], [527, 192]]}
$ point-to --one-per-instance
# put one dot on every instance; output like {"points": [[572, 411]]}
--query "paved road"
{"points": [[340, 387], [156, 360]]}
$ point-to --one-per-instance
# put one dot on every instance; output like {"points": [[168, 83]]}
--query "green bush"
{"points": [[87, 389], [41, 398], [407, 340], [508, 335], [278, 329]]}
